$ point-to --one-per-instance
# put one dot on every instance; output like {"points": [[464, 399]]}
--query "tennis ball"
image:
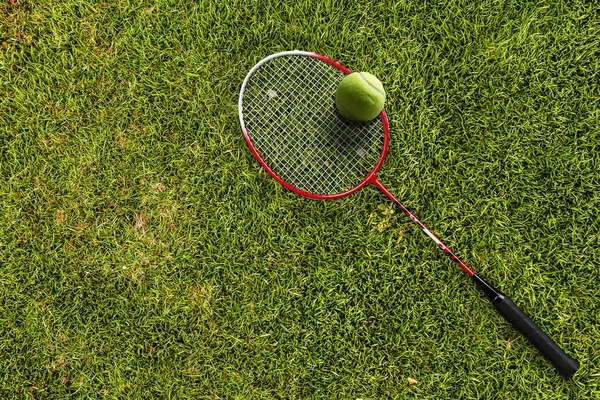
{"points": [[360, 96]]}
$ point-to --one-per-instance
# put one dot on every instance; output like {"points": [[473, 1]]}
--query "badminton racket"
{"points": [[289, 120]]}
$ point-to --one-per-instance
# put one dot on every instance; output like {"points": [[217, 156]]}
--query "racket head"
{"points": [[290, 122]]}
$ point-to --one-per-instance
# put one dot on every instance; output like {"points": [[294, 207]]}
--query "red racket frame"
{"points": [[368, 178]]}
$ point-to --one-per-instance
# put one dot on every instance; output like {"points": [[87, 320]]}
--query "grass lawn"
{"points": [[145, 254]]}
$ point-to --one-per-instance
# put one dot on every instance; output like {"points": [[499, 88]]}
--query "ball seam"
{"points": [[368, 83], [346, 110]]}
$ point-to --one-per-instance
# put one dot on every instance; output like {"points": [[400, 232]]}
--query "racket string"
{"points": [[289, 112]]}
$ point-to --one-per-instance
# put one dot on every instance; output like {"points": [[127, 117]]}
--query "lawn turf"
{"points": [[144, 253]]}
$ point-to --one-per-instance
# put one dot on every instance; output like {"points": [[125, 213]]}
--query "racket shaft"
{"points": [[437, 241], [373, 180]]}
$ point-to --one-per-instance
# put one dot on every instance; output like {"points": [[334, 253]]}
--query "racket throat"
{"points": [[372, 179]]}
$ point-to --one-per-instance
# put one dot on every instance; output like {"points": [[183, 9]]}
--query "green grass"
{"points": [[144, 253]]}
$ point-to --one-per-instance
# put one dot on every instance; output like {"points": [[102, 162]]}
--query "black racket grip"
{"points": [[563, 363]]}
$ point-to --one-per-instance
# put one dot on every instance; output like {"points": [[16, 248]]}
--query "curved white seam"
{"points": [[367, 82], [339, 103]]}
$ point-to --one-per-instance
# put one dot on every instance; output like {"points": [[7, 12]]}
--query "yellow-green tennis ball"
{"points": [[360, 96]]}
